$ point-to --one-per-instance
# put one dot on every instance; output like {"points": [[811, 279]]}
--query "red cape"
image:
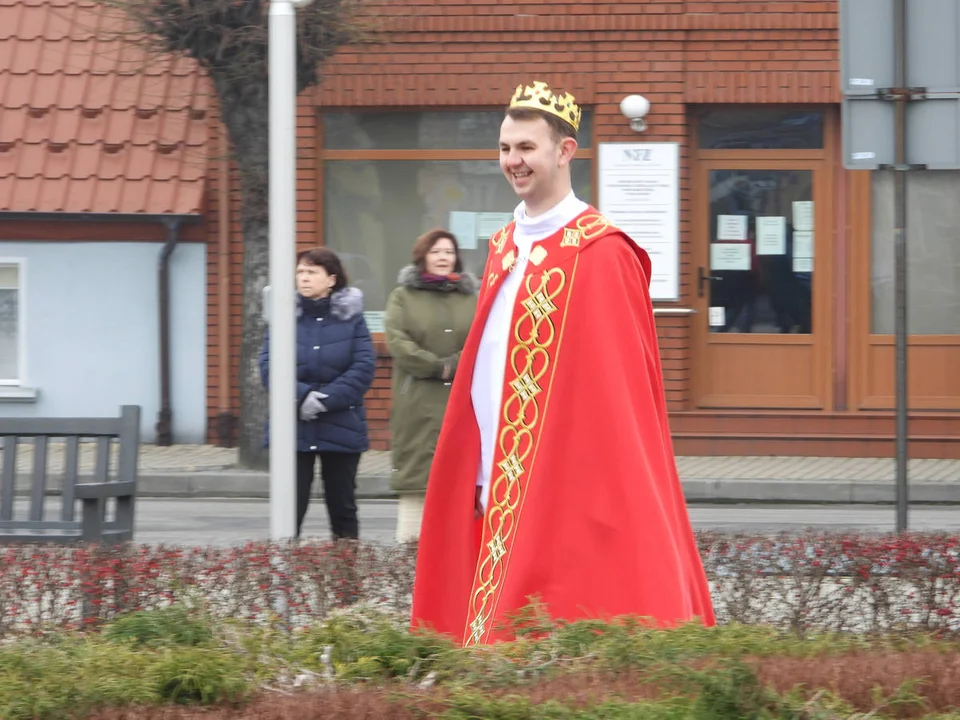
{"points": [[586, 513]]}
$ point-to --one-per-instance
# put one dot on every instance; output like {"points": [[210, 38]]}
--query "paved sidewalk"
{"points": [[208, 471]]}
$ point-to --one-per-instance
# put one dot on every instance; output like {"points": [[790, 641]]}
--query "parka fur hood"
{"points": [[345, 303], [466, 283]]}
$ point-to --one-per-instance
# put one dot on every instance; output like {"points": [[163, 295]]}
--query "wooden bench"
{"points": [[92, 492]]}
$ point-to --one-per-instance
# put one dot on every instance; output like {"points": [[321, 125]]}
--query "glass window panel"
{"points": [[442, 130], [9, 276], [933, 253], [9, 323], [760, 128], [376, 209], [761, 251]]}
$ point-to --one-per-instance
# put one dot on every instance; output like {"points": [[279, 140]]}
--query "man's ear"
{"points": [[568, 148]]}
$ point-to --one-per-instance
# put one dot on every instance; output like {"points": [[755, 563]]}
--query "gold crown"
{"points": [[539, 96]]}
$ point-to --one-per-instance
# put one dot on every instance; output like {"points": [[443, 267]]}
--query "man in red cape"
{"points": [[554, 478]]}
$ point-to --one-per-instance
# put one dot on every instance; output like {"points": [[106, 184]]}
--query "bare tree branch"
{"points": [[228, 39]]}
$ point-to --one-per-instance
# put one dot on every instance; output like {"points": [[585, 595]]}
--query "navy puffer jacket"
{"points": [[335, 356]]}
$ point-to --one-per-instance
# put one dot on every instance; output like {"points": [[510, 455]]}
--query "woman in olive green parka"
{"points": [[427, 320]]}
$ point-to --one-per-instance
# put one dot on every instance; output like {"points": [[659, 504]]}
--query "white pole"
{"points": [[283, 210]]}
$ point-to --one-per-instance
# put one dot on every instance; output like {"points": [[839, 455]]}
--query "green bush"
{"points": [[168, 626], [143, 659], [584, 670]]}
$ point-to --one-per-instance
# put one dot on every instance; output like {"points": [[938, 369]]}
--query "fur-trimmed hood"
{"points": [[465, 283], [344, 304]]}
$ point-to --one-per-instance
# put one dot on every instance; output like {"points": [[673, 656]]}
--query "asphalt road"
{"points": [[221, 522]]}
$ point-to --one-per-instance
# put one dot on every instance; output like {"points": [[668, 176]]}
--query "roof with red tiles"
{"points": [[90, 122]]}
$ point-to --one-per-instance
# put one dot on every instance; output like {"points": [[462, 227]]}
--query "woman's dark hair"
{"points": [[425, 243], [328, 260]]}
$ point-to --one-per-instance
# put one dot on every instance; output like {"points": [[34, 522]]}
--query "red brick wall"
{"points": [[677, 53]]}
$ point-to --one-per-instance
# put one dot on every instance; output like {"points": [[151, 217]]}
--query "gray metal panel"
{"points": [[868, 133], [933, 133], [933, 28], [866, 45]]}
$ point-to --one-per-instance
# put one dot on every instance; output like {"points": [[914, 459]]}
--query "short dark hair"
{"points": [[425, 243], [328, 260], [560, 129]]}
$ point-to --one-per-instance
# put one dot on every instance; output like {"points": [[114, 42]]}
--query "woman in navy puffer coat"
{"points": [[335, 365]]}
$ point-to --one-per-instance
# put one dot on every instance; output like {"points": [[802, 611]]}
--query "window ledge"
{"points": [[17, 394]]}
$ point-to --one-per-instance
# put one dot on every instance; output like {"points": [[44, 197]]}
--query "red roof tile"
{"points": [[92, 123]]}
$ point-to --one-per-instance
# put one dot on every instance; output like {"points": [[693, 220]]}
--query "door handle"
{"points": [[701, 277]]}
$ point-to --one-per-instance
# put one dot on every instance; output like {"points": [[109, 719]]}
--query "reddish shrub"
{"points": [[811, 581]]}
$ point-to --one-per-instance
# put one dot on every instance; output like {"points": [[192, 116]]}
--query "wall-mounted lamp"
{"points": [[635, 109]]}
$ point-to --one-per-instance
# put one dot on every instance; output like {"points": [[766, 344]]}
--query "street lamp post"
{"points": [[282, 84]]}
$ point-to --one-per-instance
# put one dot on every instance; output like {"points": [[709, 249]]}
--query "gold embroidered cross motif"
{"points": [[478, 626], [509, 260], [539, 305], [571, 238], [497, 548], [512, 468], [526, 387]]}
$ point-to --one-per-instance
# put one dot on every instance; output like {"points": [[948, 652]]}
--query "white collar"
{"points": [[549, 222]]}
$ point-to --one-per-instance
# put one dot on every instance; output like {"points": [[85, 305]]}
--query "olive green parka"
{"points": [[426, 326]]}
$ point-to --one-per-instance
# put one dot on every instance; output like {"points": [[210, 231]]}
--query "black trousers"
{"points": [[339, 473]]}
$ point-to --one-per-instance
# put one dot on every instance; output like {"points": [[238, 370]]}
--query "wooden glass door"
{"points": [[762, 282]]}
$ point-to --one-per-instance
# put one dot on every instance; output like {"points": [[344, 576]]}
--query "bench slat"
{"points": [[60, 427], [102, 491], [71, 471], [8, 477], [101, 472], [34, 525], [38, 484]]}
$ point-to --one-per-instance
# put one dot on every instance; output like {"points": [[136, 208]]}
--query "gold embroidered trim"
{"points": [[529, 361], [592, 225], [499, 238]]}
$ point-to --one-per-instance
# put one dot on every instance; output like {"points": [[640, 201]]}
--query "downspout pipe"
{"points": [[165, 416], [226, 420]]}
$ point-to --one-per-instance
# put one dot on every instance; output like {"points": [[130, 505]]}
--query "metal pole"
{"points": [[283, 419], [900, 257]]}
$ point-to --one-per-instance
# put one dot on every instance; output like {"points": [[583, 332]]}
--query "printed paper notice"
{"points": [[803, 265], [732, 227], [803, 215], [463, 225], [717, 316], [729, 256], [374, 320], [489, 223], [639, 192], [803, 245], [772, 235]]}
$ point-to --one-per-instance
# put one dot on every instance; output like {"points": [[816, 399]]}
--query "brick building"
{"points": [[779, 340]]}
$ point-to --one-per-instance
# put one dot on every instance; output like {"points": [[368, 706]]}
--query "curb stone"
{"points": [[250, 484]]}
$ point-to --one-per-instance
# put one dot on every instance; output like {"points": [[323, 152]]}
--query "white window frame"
{"points": [[21, 265]]}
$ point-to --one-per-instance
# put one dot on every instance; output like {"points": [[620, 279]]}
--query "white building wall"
{"points": [[91, 330]]}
